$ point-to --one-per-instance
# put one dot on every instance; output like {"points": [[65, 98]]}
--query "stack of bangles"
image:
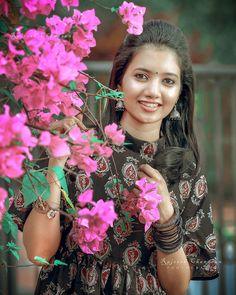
{"points": [[169, 236], [42, 207]]}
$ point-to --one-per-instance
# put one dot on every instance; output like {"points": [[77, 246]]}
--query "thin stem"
{"points": [[100, 5]]}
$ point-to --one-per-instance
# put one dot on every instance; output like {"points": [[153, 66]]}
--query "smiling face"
{"points": [[151, 86]]}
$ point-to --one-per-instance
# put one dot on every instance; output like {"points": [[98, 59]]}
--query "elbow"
{"points": [[180, 289], [42, 254]]}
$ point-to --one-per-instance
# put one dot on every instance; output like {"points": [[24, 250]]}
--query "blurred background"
{"points": [[210, 27]]}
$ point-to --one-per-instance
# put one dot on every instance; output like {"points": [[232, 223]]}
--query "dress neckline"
{"points": [[146, 149]]}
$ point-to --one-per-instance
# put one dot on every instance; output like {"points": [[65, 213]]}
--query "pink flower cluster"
{"points": [[84, 146], [145, 207], [114, 134], [57, 146], [3, 196], [3, 7], [53, 61], [31, 8], [15, 141], [132, 15], [89, 229]]}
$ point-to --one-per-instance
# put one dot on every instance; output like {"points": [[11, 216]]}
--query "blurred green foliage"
{"points": [[213, 22]]}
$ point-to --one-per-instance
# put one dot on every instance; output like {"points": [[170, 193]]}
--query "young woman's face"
{"points": [[151, 86]]}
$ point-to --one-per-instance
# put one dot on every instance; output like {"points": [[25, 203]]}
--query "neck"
{"points": [[146, 132]]}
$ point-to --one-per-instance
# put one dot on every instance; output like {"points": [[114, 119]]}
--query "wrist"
{"points": [[166, 213]]}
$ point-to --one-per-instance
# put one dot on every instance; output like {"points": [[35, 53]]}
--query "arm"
{"points": [[174, 272], [41, 235]]}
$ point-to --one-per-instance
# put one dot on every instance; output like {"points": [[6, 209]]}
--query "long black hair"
{"points": [[179, 135]]}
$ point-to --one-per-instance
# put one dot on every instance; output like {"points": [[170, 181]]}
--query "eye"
{"points": [[142, 77], [169, 82]]}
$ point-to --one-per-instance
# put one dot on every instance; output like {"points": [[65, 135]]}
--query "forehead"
{"points": [[155, 59]]}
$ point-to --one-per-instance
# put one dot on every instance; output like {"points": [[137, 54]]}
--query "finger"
{"points": [[79, 121], [148, 178], [151, 172]]}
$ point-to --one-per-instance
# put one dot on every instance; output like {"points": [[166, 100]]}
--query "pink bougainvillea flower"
{"points": [[3, 197], [89, 20], [85, 197], [145, 206], [45, 138], [3, 62], [13, 49], [132, 15], [102, 150], [11, 160], [69, 3], [89, 229], [31, 8], [58, 147], [114, 134], [57, 26], [15, 141], [82, 161], [34, 39]]}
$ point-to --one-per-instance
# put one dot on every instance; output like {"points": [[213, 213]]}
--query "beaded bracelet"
{"points": [[169, 236], [42, 207]]}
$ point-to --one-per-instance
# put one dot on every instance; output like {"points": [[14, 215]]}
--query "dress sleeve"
{"points": [[199, 237], [18, 211]]}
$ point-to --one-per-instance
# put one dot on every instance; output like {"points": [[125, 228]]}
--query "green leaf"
{"points": [[113, 9], [13, 248], [59, 117], [126, 214], [11, 192], [9, 226], [10, 96], [7, 179], [71, 211], [15, 254], [64, 89], [59, 262], [31, 164], [61, 177], [96, 140], [42, 260], [6, 203], [35, 184], [1, 247], [3, 26], [72, 85], [68, 200]]}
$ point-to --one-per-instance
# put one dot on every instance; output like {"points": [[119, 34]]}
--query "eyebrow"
{"points": [[150, 72]]}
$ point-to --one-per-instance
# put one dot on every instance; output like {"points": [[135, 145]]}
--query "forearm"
{"points": [[41, 235], [173, 268], [174, 272]]}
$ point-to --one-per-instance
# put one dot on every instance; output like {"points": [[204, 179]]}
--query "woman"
{"points": [[155, 73]]}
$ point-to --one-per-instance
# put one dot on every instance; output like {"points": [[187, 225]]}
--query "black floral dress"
{"points": [[126, 265]]}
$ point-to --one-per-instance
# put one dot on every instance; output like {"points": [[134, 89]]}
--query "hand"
{"points": [[63, 127], [152, 175]]}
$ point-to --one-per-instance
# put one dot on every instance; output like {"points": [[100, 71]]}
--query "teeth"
{"points": [[150, 105]]}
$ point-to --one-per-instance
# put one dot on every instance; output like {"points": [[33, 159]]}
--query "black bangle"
{"points": [[168, 236]]}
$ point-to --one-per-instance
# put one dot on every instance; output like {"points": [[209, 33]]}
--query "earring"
{"points": [[175, 115], [120, 106]]}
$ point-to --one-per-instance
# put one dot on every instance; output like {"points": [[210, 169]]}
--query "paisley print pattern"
{"points": [[127, 262]]}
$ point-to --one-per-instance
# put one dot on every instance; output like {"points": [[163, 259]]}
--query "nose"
{"points": [[153, 89]]}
